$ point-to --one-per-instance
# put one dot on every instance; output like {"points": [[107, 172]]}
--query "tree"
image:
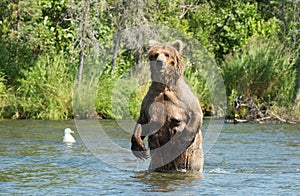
{"points": [[225, 26], [29, 29], [129, 15]]}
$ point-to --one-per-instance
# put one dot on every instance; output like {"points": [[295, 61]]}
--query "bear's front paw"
{"points": [[139, 150]]}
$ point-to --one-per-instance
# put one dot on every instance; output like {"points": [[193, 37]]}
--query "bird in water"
{"points": [[68, 138]]}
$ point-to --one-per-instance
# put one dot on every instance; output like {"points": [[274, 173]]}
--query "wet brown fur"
{"points": [[170, 115]]}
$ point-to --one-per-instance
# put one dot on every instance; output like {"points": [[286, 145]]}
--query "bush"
{"points": [[104, 95], [119, 97], [198, 85], [3, 95], [225, 26], [45, 92], [263, 71]]}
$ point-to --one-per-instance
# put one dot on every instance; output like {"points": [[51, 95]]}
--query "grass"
{"points": [[263, 71]]}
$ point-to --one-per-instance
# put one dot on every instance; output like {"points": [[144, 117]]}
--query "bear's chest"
{"points": [[174, 108]]}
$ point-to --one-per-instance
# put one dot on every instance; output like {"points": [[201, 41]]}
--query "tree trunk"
{"points": [[115, 53], [282, 14], [82, 43], [80, 66]]}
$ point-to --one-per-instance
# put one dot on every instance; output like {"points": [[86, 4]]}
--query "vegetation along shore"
{"points": [[44, 45]]}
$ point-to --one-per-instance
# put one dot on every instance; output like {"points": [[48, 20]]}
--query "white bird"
{"points": [[68, 137]]}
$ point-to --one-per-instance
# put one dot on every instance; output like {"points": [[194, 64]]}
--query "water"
{"points": [[248, 159]]}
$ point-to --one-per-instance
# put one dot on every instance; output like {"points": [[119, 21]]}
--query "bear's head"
{"points": [[166, 62]]}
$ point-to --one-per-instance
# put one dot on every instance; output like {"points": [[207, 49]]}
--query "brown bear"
{"points": [[170, 115]]}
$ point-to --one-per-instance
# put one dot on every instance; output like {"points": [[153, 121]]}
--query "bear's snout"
{"points": [[160, 66]]}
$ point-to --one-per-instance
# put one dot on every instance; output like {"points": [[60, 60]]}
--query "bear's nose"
{"points": [[159, 62]]}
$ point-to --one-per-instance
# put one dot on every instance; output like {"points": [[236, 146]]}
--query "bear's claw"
{"points": [[139, 150]]}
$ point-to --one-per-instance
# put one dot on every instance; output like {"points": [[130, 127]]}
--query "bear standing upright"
{"points": [[170, 115]]}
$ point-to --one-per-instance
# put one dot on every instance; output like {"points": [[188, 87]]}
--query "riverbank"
{"points": [[49, 50]]}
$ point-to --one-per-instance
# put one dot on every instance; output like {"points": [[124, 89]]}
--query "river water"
{"points": [[247, 159]]}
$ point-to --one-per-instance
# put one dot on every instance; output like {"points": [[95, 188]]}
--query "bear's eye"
{"points": [[153, 57], [167, 55]]}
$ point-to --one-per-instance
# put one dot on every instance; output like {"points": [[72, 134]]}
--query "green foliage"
{"points": [[36, 82], [14, 58], [169, 13], [46, 90], [3, 94], [231, 103], [6, 98], [104, 94], [224, 27], [29, 29], [136, 99], [264, 70], [198, 85], [115, 97]]}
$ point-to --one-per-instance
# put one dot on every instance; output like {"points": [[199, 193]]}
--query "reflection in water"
{"points": [[167, 181], [69, 145]]}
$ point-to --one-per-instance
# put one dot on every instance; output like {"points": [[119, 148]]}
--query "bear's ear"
{"points": [[178, 46]]}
